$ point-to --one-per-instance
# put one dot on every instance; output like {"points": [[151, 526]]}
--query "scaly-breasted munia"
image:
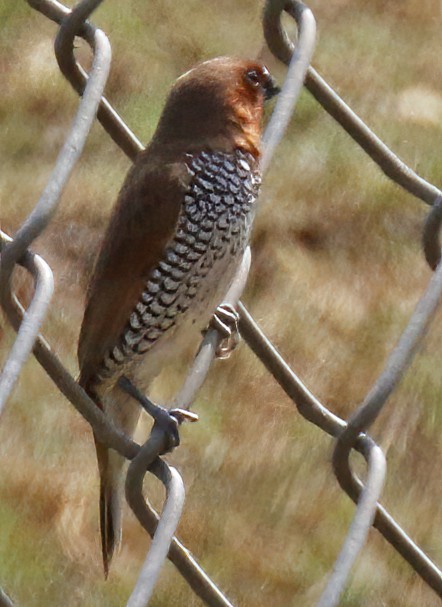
{"points": [[174, 242]]}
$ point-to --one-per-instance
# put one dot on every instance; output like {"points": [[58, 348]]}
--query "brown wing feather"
{"points": [[141, 226]]}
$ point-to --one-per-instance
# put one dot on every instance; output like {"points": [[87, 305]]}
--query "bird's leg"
{"points": [[225, 320], [168, 419]]}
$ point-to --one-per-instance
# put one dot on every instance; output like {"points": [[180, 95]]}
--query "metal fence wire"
{"points": [[349, 435]]}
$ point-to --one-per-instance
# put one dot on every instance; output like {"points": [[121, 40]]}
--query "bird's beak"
{"points": [[270, 89]]}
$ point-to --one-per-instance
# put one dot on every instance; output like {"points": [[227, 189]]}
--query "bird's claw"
{"points": [[183, 415], [170, 426], [169, 420], [225, 320]]}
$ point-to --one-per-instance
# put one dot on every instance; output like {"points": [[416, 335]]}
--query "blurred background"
{"points": [[337, 270]]}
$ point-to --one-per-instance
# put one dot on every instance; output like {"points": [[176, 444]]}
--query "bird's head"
{"points": [[217, 105]]}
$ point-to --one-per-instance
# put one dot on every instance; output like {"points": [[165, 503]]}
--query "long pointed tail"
{"points": [[111, 467], [124, 413]]}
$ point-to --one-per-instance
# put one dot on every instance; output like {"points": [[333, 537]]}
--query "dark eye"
{"points": [[253, 77]]}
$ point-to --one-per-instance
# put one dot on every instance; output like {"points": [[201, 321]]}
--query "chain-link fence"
{"points": [[349, 435]]}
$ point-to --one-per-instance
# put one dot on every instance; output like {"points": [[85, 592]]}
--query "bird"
{"points": [[175, 239]]}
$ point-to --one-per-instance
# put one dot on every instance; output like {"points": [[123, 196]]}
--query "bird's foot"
{"points": [[225, 320], [168, 420]]}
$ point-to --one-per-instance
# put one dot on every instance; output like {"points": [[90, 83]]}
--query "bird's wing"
{"points": [[142, 224]]}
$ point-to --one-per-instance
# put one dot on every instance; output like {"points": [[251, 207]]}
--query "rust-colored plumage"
{"points": [[177, 233]]}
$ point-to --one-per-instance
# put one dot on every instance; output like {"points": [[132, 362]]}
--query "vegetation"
{"points": [[337, 270]]}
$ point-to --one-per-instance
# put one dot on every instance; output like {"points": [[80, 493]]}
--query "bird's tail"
{"points": [[124, 412], [111, 468]]}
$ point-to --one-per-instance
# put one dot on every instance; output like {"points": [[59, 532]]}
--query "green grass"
{"points": [[337, 269]]}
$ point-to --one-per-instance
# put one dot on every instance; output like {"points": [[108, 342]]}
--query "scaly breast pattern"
{"points": [[200, 261]]}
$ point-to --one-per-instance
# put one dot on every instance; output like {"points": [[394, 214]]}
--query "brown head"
{"points": [[217, 105]]}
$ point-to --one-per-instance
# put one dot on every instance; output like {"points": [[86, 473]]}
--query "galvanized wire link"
{"points": [[366, 414], [281, 46], [46, 206], [312, 410], [77, 76], [104, 430], [32, 319], [298, 65], [431, 234], [360, 421], [358, 531], [388, 162], [71, 150], [147, 459]]}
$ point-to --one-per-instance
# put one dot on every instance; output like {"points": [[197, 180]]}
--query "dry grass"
{"points": [[337, 271]]}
